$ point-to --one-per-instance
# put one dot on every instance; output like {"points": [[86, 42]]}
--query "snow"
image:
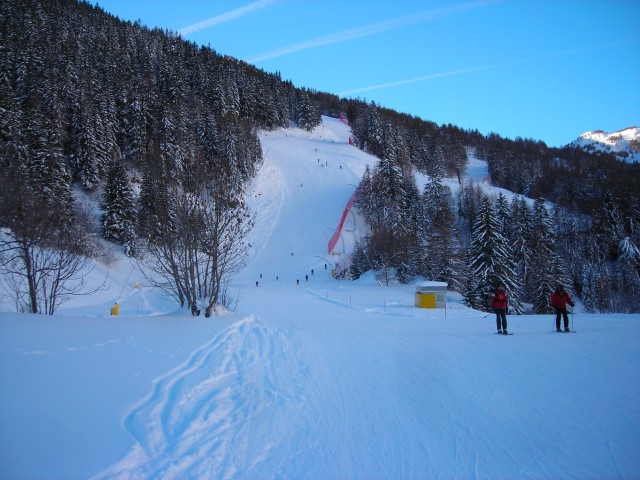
{"points": [[325, 379], [623, 142], [431, 283]]}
